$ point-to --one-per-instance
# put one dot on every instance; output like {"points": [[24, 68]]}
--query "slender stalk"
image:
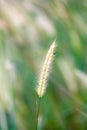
{"points": [[43, 78], [37, 112]]}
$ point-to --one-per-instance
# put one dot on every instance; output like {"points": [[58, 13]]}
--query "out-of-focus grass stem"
{"points": [[37, 112]]}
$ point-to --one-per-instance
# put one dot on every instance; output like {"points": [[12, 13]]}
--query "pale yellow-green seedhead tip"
{"points": [[45, 71]]}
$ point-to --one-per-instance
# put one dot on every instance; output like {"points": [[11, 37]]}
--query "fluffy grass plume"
{"points": [[45, 71]]}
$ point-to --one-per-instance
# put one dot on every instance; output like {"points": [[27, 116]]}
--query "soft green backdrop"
{"points": [[27, 29]]}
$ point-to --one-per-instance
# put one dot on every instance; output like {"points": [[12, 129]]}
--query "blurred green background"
{"points": [[27, 29]]}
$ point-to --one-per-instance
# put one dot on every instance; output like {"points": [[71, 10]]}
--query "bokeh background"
{"points": [[27, 29]]}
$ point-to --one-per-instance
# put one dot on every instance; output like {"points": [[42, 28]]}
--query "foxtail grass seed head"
{"points": [[45, 71]]}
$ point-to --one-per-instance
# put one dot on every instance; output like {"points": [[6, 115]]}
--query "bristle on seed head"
{"points": [[45, 71]]}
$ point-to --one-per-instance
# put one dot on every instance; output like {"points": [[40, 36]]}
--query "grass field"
{"points": [[27, 30]]}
